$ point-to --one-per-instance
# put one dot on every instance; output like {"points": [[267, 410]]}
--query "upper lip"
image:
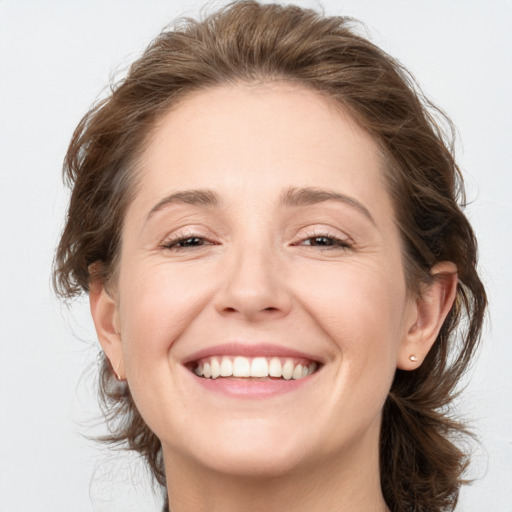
{"points": [[249, 350]]}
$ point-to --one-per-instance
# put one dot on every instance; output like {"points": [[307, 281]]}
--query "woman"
{"points": [[264, 215]]}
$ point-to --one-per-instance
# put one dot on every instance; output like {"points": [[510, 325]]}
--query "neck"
{"points": [[327, 487]]}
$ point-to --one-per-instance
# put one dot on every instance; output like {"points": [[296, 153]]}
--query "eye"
{"points": [[326, 241], [186, 242]]}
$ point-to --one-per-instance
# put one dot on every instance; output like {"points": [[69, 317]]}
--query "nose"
{"points": [[253, 286]]}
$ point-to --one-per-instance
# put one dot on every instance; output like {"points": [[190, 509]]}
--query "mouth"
{"points": [[258, 368], [252, 371]]}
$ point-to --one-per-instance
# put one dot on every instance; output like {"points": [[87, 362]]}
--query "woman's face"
{"points": [[261, 238]]}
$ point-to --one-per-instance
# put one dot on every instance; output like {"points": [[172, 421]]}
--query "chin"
{"points": [[255, 464], [268, 452]]}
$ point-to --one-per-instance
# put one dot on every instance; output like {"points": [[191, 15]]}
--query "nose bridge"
{"points": [[253, 284]]}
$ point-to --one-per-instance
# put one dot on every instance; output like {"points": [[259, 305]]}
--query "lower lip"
{"points": [[252, 389]]}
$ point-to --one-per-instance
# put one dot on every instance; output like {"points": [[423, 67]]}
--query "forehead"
{"points": [[248, 139]]}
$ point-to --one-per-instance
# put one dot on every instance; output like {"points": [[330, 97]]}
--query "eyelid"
{"points": [[183, 234], [326, 231], [338, 242]]}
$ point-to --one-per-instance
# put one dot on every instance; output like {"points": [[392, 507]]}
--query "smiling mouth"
{"points": [[253, 368]]}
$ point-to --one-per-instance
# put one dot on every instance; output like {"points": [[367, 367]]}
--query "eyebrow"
{"points": [[310, 195], [200, 197], [292, 197]]}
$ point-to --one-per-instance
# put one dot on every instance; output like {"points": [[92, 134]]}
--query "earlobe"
{"points": [[429, 313], [104, 313]]}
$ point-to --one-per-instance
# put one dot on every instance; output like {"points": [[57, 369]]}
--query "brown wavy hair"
{"points": [[421, 460]]}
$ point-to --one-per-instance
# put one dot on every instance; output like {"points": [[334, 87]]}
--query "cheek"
{"points": [[362, 312], [358, 305], [158, 304]]}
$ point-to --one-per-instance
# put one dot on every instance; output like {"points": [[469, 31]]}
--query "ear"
{"points": [[104, 313], [427, 315]]}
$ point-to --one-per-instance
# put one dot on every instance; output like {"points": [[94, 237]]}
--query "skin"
{"points": [[255, 270]]}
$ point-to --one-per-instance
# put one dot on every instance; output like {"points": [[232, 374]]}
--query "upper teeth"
{"points": [[238, 366]]}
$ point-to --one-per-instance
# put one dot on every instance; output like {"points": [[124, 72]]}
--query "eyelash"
{"points": [[172, 244], [333, 242]]}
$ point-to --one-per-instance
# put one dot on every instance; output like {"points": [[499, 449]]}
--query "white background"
{"points": [[55, 60]]}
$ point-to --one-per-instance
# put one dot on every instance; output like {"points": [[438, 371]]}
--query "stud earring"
{"points": [[413, 358]]}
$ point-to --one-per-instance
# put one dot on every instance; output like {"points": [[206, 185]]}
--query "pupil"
{"points": [[190, 241], [322, 240]]}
